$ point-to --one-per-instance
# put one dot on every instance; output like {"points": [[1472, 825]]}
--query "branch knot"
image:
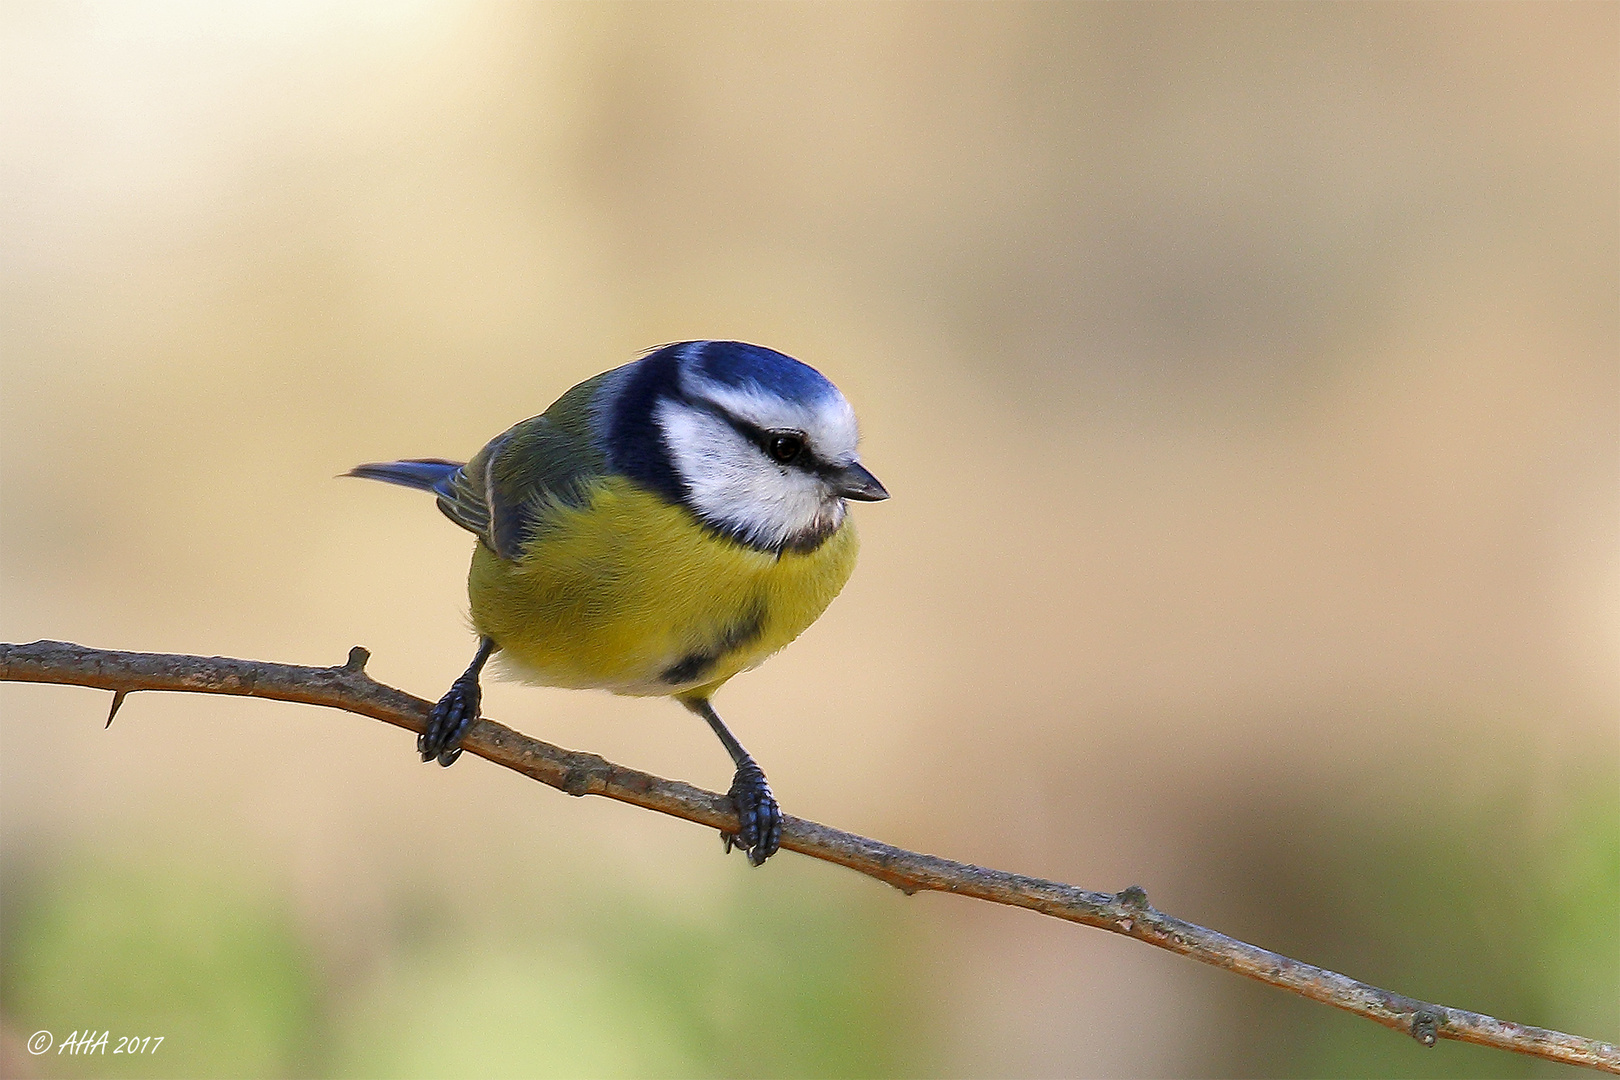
{"points": [[1132, 896], [1425, 1027]]}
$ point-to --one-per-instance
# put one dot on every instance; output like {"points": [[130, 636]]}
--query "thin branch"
{"points": [[349, 688]]}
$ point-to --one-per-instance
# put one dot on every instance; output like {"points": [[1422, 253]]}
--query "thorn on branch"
{"points": [[1425, 1027], [118, 701], [356, 665]]}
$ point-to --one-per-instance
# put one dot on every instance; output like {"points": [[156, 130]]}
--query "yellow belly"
{"points": [[631, 594]]}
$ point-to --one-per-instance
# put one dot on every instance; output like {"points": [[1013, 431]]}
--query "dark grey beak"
{"points": [[854, 482]]}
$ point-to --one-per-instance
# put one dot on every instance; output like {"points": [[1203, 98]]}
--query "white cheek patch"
{"points": [[734, 486], [828, 423]]}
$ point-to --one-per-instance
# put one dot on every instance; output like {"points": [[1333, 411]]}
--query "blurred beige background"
{"points": [[1247, 379]]}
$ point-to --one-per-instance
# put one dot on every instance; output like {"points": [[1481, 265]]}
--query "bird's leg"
{"points": [[759, 818], [455, 712]]}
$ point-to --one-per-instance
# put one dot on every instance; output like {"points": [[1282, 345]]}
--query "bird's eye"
{"points": [[784, 448]]}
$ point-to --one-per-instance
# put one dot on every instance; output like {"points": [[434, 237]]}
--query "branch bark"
{"points": [[349, 688]]}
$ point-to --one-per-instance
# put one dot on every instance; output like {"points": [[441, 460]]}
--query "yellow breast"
{"points": [[633, 595]]}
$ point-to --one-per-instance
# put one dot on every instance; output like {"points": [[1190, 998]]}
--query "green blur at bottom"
{"points": [[791, 979], [1505, 903], [156, 948], [799, 971]]}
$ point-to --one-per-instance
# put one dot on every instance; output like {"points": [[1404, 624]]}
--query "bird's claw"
{"points": [[449, 721], [759, 818]]}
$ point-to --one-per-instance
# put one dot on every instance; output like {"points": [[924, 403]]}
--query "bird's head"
{"points": [[756, 444]]}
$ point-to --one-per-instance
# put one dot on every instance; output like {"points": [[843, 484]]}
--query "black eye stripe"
{"points": [[803, 458]]}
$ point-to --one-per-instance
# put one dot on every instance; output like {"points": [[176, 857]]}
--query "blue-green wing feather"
{"points": [[505, 494]]}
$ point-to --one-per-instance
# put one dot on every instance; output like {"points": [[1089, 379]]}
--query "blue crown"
{"points": [[737, 363]]}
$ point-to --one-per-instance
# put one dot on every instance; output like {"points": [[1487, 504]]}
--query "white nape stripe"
{"points": [[735, 487], [828, 423]]}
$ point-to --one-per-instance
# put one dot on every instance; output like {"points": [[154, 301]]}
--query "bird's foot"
{"points": [[449, 721], [760, 834]]}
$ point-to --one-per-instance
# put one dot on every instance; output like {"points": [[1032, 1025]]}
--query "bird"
{"points": [[659, 529]]}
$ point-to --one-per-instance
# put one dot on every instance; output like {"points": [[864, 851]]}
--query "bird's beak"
{"points": [[854, 482]]}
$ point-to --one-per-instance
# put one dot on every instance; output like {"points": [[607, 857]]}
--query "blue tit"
{"points": [[660, 528]]}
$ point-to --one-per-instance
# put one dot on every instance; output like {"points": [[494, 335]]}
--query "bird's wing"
{"points": [[546, 463]]}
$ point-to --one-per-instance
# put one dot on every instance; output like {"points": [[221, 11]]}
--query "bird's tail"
{"points": [[425, 474]]}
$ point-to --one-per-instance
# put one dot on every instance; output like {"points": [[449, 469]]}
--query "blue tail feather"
{"points": [[424, 474]]}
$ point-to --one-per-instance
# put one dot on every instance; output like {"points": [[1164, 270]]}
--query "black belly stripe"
{"points": [[694, 665]]}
